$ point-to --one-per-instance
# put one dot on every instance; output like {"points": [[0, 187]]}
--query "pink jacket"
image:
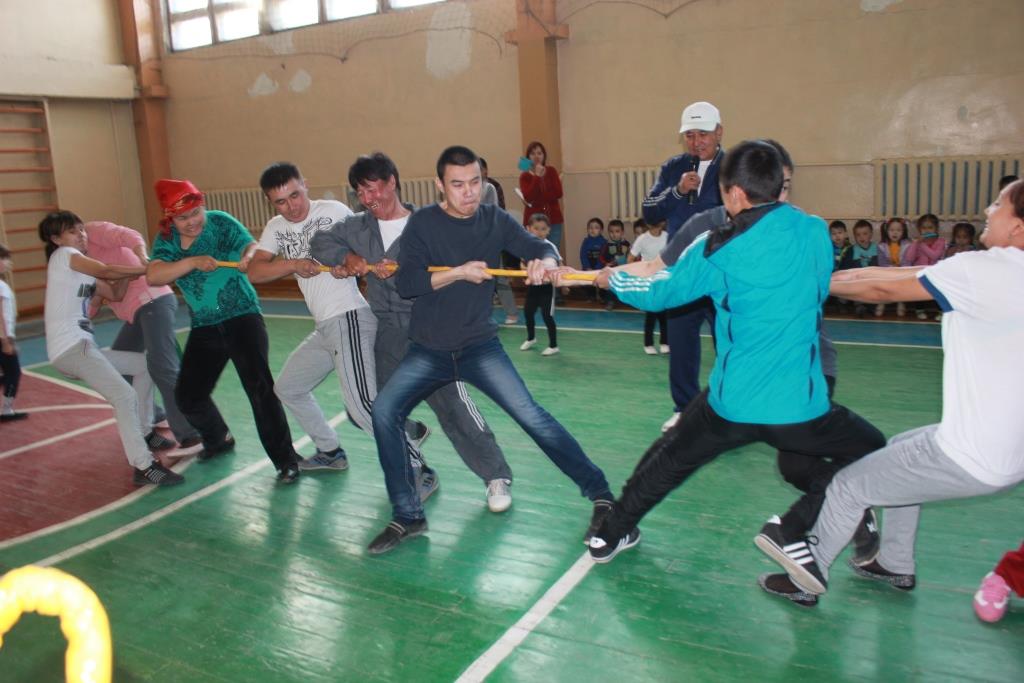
{"points": [[113, 244], [920, 254]]}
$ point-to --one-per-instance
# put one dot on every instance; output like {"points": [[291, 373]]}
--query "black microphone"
{"points": [[692, 194]]}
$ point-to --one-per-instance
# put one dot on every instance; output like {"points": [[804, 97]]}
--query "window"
{"points": [[195, 23]]}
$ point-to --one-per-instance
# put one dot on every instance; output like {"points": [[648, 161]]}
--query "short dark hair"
{"points": [[837, 224], [278, 174], [483, 162], [1006, 180], [4, 252], [787, 161], [540, 218], [1016, 197], [375, 166], [964, 226], [53, 225], [928, 218], [863, 223], [456, 155], [756, 168], [597, 220], [616, 221]]}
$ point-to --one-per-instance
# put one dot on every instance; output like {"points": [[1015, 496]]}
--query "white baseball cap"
{"points": [[700, 116]]}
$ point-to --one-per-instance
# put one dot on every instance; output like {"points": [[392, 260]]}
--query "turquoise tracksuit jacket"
{"points": [[768, 275]]}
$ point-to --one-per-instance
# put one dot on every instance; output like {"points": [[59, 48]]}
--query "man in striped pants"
{"points": [[345, 327]]}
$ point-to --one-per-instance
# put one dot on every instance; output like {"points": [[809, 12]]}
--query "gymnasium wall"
{"points": [[839, 82]]}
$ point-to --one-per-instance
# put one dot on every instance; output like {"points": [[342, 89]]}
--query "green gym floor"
{"points": [[232, 578]]}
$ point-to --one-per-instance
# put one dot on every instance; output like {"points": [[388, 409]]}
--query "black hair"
{"points": [[837, 225], [616, 221], [1006, 180], [964, 226], [787, 161], [884, 230], [4, 252], [376, 166], [456, 155], [539, 217], [54, 225], [863, 223], [756, 168], [597, 220], [278, 174], [483, 163]]}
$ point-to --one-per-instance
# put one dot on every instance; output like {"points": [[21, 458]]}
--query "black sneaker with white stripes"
{"points": [[866, 539], [782, 585], [601, 509], [156, 475], [602, 550], [794, 556], [394, 533]]}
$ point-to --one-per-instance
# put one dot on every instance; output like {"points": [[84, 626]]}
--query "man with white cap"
{"points": [[687, 185]]}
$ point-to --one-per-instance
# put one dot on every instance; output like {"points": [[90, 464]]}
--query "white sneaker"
{"points": [[527, 345], [550, 351], [499, 495], [511, 320], [664, 348], [921, 315], [671, 422], [650, 351], [879, 310]]}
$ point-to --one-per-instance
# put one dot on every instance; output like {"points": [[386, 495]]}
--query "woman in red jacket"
{"points": [[542, 190]]}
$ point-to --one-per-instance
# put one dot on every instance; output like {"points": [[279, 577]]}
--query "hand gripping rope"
{"points": [[83, 620]]}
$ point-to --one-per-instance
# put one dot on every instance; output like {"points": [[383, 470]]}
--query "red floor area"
{"points": [[57, 481]]}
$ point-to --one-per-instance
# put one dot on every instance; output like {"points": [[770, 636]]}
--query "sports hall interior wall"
{"points": [[840, 82]]}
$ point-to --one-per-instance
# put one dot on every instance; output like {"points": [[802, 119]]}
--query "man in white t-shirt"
{"points": [[977, 448], [345, 327]]}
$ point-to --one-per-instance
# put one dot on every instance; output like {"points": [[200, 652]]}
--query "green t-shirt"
{"points": [[224, 293]]}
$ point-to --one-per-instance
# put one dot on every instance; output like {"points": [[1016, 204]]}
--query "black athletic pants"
{"points": [[12, 373], [701, 435], [542, 297], [649, 320]]}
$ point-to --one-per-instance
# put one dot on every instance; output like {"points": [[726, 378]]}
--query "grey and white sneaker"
{"points": [[418, 439], [499, 495], [331, 460], [428, 482]]}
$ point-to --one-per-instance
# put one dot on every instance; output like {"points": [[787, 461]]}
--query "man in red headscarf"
{"points": [[226, 321]]}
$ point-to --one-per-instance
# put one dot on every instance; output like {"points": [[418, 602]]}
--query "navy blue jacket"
{"points": [[663, 201]]}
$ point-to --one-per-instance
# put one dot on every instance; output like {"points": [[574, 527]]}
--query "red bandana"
{"points": [[176, 197]]}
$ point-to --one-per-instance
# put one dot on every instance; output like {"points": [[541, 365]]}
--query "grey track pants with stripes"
{"points": [[343, 345], [459, 417]]}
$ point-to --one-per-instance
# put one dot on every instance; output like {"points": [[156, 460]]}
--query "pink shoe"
{"points": [[992, 598]]}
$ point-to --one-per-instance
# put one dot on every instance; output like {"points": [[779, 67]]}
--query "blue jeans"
{"points": [[487, 367]]}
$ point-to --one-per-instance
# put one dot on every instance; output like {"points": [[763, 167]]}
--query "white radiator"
{"points": [[952, 188], [628, 188]]}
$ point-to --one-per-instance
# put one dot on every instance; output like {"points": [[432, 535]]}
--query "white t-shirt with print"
{"points": [[648, 247], [326, 296], [9, 307], [982, 296], [66, 312]]}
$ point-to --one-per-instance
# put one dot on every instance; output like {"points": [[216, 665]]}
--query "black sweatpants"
{"points": [[243, 341], [649, 320], [12, 374], [837, 438], [542, 297]]}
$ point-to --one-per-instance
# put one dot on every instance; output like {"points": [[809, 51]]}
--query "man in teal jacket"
{"points": [[767, 272]]}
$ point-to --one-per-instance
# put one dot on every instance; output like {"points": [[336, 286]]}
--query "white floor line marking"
{"points": [[68, 406], [62, 382], [60, 437], [157, 515], [503, 647]]}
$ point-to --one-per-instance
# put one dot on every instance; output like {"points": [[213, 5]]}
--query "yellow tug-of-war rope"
{"points": [[83, 620], [497, 272]]}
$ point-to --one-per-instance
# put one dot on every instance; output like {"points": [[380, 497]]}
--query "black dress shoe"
{"points": [[225, 446], [11, 417], [288, 474]]}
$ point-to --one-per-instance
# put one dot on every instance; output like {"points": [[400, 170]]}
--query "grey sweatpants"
{"points": [[152, 332], [343, 345], [910, 470], [459, 417], [102, 371]]}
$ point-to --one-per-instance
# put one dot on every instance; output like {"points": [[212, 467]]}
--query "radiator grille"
{"points": [[950, 187], [629, 186]]}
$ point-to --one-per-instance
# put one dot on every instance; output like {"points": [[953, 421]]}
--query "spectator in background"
{"points": [[542, 190], [502, 285], [615, 252], [8, 349], [963, 240], [639, 228], [591, 249], [648, 247], [894, 240], [687, 185], [927, 249]]}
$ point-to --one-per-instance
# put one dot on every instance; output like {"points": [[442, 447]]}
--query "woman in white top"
{"points": [[72, 279]]}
